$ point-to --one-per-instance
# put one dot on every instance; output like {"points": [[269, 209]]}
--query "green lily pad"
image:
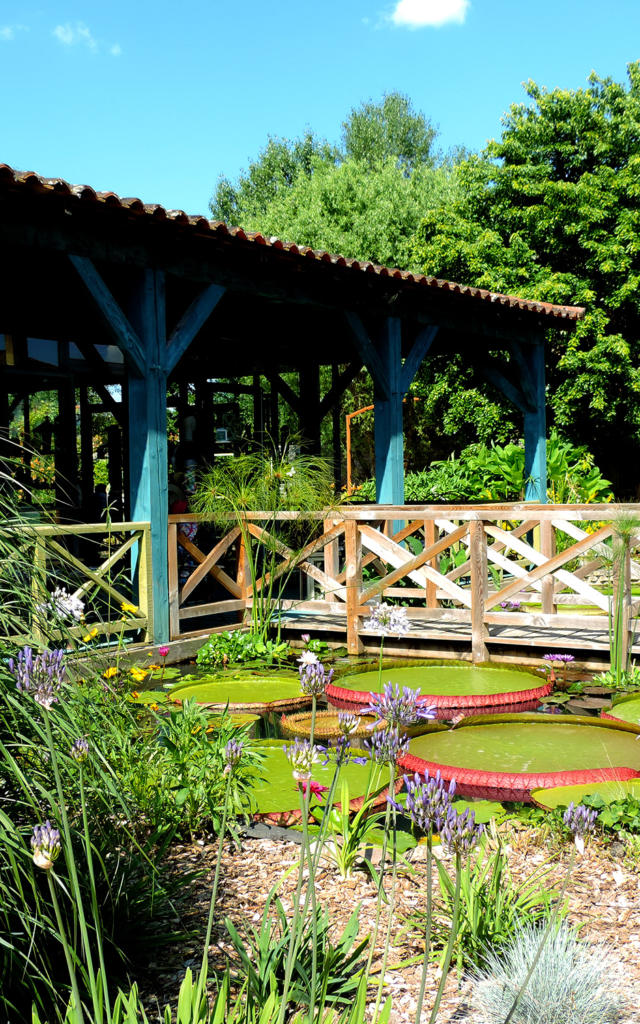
{"points": [[626, 709], [169, 672], [241, 689], [484, 810], [149, 697], [562, 796], [275, 790]]}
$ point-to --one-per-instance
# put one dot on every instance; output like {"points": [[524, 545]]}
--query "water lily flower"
{"points": [[163, 651], [387, 619]]}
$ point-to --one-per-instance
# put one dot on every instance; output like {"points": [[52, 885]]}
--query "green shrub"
{"points": [[236, 646]]}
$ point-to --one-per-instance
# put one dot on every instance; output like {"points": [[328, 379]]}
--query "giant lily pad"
{"points": [[562, 796], [243, 691], [449, 687], [504, 757], [625, 709], [275, 791]]}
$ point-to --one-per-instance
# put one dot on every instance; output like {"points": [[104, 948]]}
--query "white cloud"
{"points": [[8, 32], [71, 35], [115, 50], [429, 13]]}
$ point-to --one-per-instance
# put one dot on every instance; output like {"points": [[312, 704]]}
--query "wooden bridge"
{"points": [[488, 582]]}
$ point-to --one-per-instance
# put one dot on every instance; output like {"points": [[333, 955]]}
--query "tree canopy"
{"points": [[551, 211]]}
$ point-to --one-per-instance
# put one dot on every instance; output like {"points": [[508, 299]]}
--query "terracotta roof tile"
{"points": [[154, 211]]}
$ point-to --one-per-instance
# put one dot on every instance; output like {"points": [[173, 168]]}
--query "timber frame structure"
{"points": [[138, 295]]}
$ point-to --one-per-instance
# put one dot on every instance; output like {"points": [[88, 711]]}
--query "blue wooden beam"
{"points": [[367, 352], [125, 336], [535, 429], [389, 436], [148, 457], [508, 388], [190, 323], [419, 349]]}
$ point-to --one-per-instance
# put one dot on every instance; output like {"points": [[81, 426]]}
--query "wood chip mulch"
{"points": [[603, 896]]}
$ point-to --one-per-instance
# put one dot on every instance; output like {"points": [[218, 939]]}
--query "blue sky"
{"points": [[157, 99]]}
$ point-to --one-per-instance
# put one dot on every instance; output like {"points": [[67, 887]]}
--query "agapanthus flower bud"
{"points": [[62, 605], [387, 619], [428, 800], [348, 723], [233, 755], [45, 844], [387, 745], [398, 707], [302, 755], [340, 752], [40, 675], [79, 750], [459, 832], [314, 679], [580, 820]]}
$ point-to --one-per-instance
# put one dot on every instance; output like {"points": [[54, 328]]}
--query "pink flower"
{"points": [[163, 651], [317, 789]]}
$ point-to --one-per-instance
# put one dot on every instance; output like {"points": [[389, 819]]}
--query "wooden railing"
{"points": [[524, 566], [94, 562]]}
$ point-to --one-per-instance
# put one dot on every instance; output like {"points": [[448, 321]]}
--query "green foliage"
{"points": [[496, 473], [350, 833], [391, 129], [261, 956], [618, 815], [550, 211], [270, 482], [623, 681], [181, 787], [492, 906], [238, 646]]}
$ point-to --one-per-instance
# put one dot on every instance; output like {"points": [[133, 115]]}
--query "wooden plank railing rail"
{"points": [[519, 574], [118, 599]]}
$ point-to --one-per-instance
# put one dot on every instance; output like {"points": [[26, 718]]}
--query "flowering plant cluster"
{"points": [[459, 832], [398, 707], [41, 675], [45, 845], [387, 746], [314, 678], [79, 750], [387, 619], [232, 755], [302, 755], [580, 821], [62, 605], [428, 801]]}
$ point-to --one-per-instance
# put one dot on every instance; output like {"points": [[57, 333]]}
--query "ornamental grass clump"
{"points": [[571, 982]]}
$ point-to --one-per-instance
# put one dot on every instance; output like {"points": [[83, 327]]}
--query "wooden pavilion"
{"points": [[99, 290]]}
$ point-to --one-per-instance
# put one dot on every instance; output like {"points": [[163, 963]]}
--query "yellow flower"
{"points": [[135, 694], [89, 636], [154, 668], [138, 674], [154, 707], [108, 673], [126, 607]]}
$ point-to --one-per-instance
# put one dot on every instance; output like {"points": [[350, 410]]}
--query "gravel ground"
{"points": [[603, 895]]}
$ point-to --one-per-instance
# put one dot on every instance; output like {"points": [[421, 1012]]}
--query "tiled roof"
{"points": [[203, 226]]}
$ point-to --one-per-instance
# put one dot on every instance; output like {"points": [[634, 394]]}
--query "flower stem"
{"points": [[392, 897], [452, 939], [214, 893], [427, 941], [104, 990], [79, 1017]]}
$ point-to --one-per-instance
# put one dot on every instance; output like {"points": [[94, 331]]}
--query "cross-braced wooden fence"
{"points": [[516, 574]]}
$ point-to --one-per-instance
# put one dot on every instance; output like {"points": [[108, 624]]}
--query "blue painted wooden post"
{"points": [[535, 429], [389, 437], [148, 479]]}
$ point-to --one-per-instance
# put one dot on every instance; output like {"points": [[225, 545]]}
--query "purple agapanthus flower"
{"points": [[232, 755], [302, 755], [340, 752], [79, 749], [40, 675], [428, 801], [398, 707], [45, 844], [314, 678], [386, 746], [459, 832], [580, 820]]}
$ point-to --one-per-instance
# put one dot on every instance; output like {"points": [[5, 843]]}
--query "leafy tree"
{"points": [[390, 130], [276, 169], [551, 212]]}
